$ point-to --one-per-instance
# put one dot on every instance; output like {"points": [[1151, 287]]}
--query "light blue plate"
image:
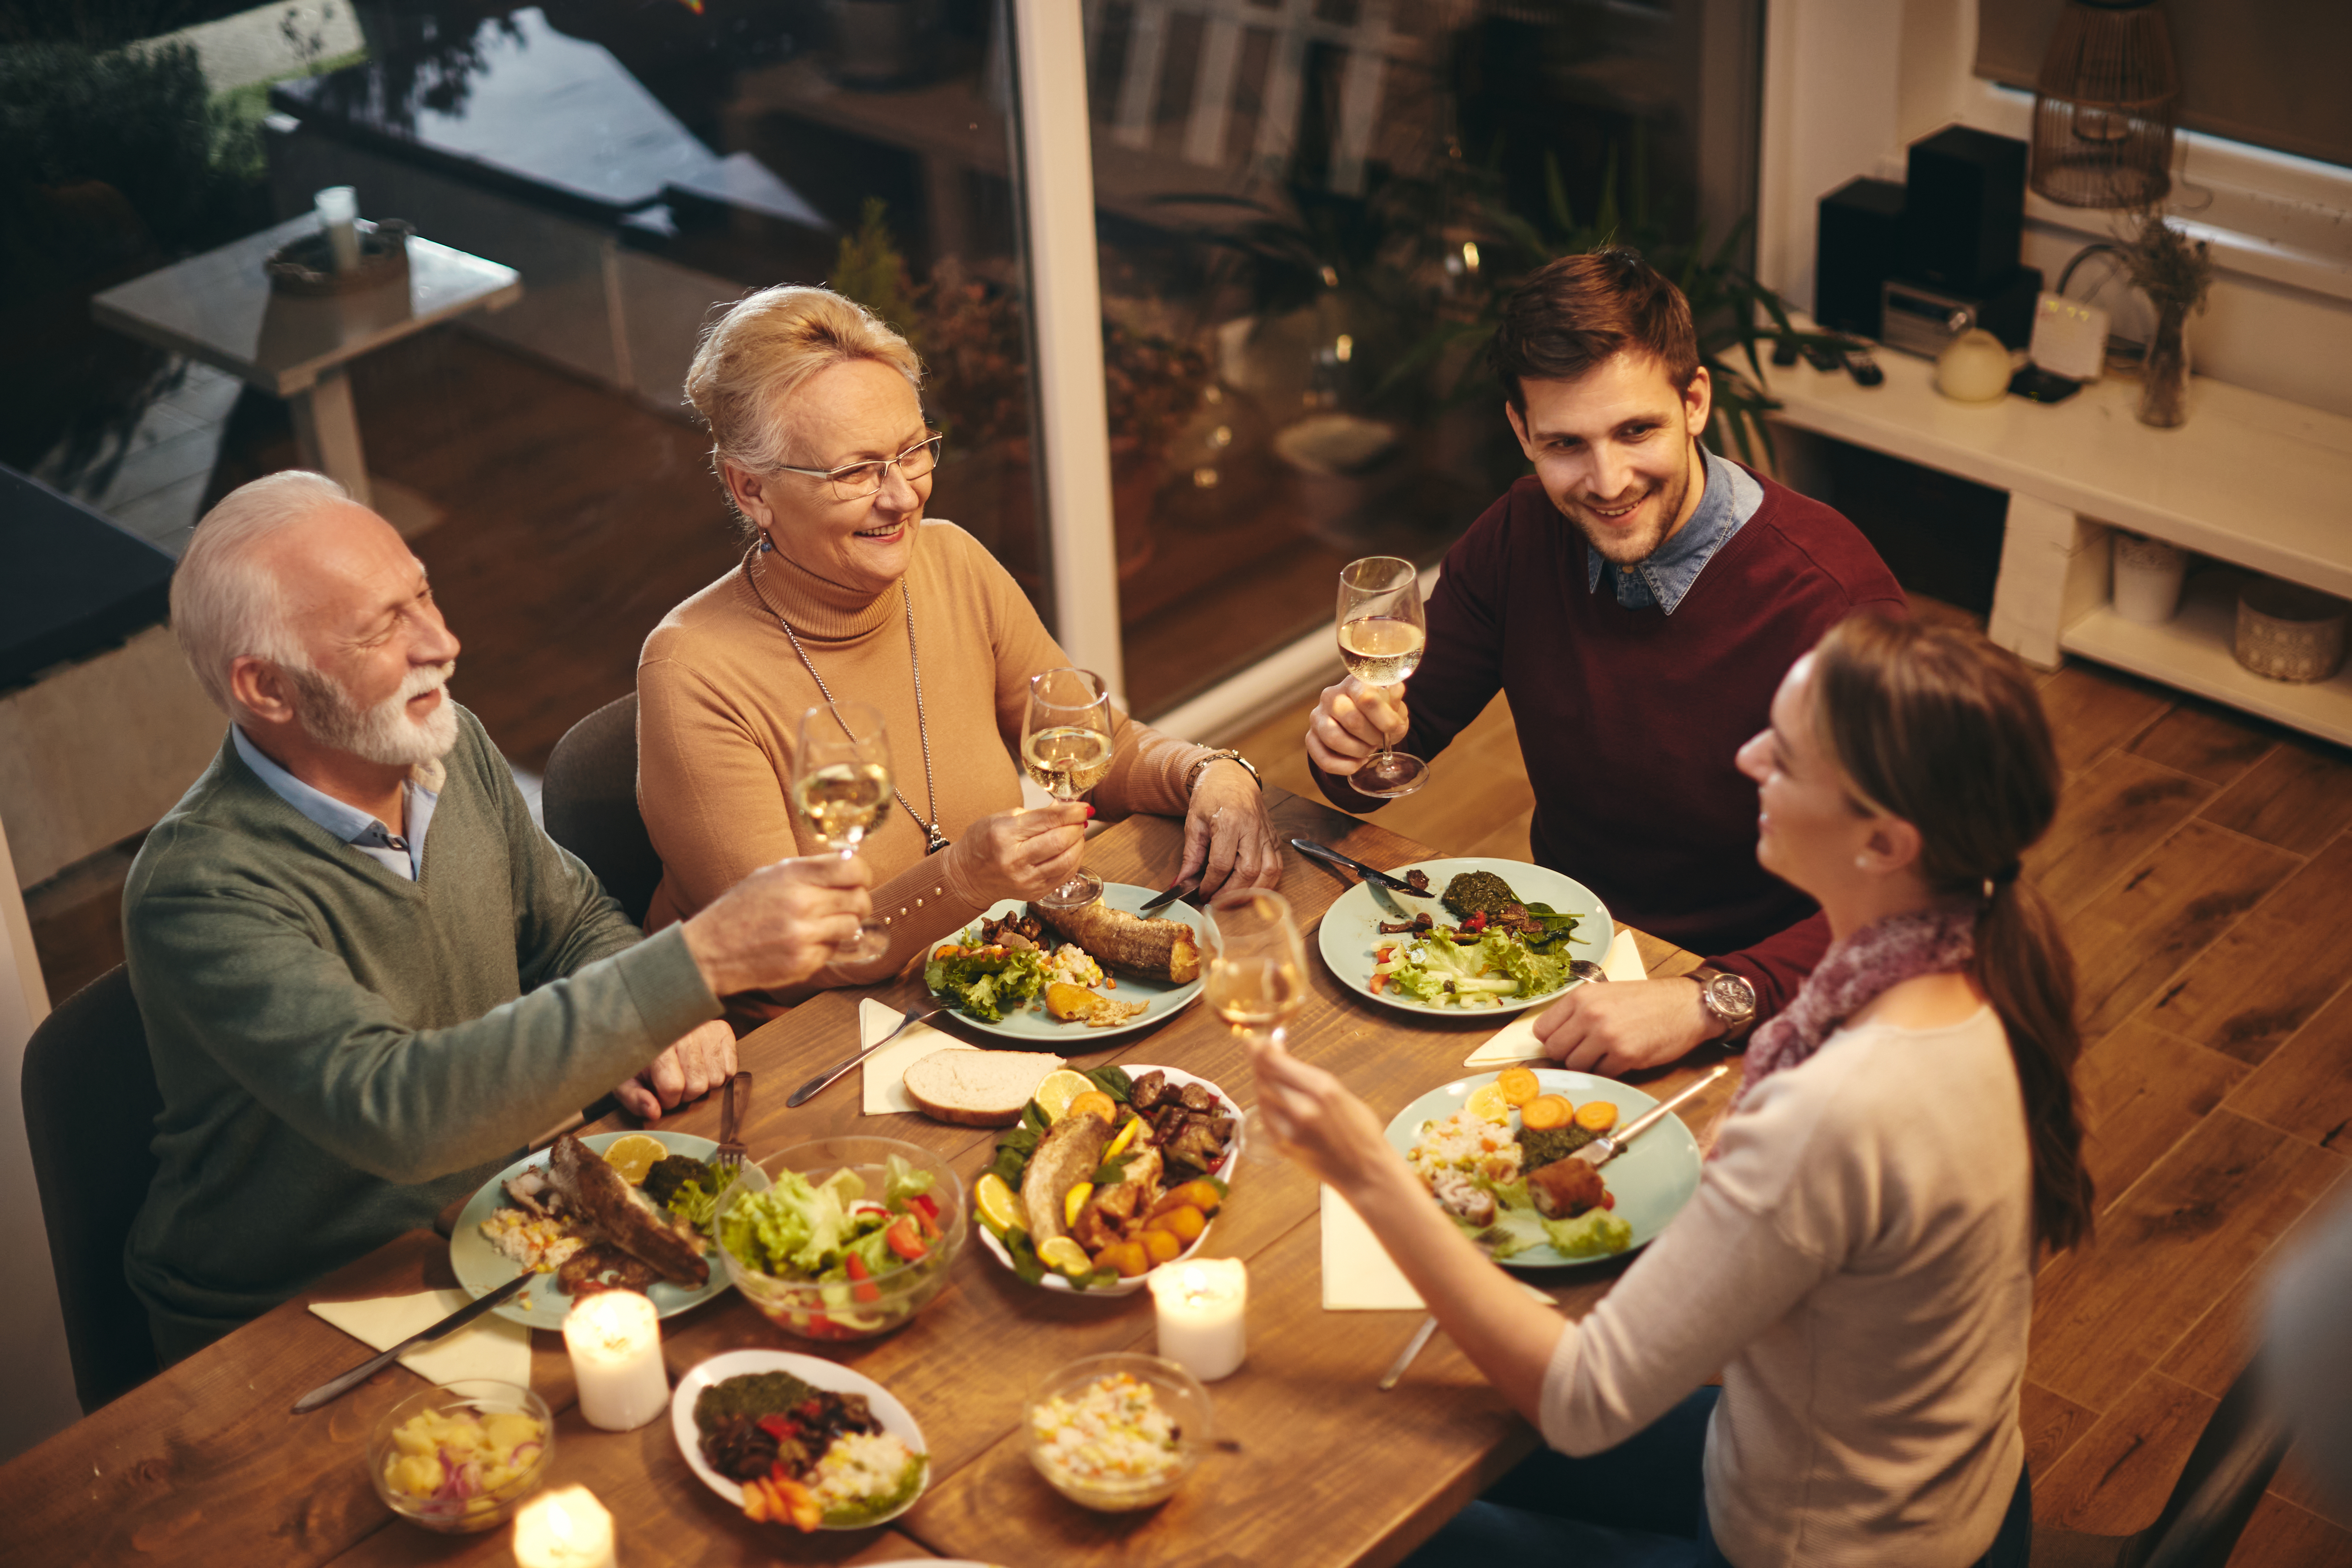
{"points": [[1031, 1028], [482, 1269], [1350, 930], [1652, 1179]]}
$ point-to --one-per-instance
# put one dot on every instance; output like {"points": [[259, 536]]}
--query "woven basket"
{"points": [[2288, 632]]}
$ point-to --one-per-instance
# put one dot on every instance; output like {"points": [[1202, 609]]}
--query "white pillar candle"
{"points": [[564, 1528], [338, 214], [614, 1338], [1200, 1307]]}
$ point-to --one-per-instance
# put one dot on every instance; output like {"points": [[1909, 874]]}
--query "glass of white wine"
{"points": [[841, 787], [1256, 969], [1382, 630], [1065, 749]]}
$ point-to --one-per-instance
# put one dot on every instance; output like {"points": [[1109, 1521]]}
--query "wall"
{"points": [[1849, 84]]}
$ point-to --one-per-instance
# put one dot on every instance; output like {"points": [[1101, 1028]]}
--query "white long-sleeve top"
{"points": [[1858, 1263]]}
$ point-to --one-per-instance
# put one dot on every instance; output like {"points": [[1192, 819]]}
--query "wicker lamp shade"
{"points": [[2104, 106]]}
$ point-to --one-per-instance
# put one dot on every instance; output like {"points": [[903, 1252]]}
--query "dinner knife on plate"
{"points": [[335, 1388], [1184, 885], [1330, 856], [1608, 1146]]}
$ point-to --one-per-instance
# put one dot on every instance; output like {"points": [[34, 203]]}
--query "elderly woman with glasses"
{"points": [[847, 592]]}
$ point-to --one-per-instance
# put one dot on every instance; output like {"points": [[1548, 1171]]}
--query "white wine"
{"points": [[1066, 761], [1381, 650], [844, 800], [1254, 993]]}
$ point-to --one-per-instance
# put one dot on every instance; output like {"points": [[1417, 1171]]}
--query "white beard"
{"points": [[384, 733]]}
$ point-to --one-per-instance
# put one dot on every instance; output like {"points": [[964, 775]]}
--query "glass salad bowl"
{"points": [[461, 1457], [900, 1252], [1120, 1432]]}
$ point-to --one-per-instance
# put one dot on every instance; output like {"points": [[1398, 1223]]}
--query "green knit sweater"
{"points": [[342, 1051]]}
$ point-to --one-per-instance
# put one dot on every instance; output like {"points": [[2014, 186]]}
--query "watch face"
{"points": [[1730, 998]]}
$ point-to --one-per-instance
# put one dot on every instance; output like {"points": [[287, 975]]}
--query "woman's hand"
{"points": [[1020, 854], [1229, 845], [1318, 1121]]}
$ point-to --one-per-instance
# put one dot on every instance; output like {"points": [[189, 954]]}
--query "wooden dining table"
{"points": [[205, 1464]]}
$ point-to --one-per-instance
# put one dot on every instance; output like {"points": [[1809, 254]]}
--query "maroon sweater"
{"points": [[1629, 720]]}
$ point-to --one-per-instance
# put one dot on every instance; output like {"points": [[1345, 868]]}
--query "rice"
{"points": [[537, 1242], [1463, 1145], [1073, 965], [1113, 1433], [860, 1466]]}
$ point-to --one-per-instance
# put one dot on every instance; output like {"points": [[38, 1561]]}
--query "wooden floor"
{"points": [[2203, 863]]}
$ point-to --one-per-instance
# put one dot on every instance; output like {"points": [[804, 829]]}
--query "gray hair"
{"points": [[227, 606]]}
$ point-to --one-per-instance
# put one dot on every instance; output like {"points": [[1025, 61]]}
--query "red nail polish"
{"points": [[1091, 814]]}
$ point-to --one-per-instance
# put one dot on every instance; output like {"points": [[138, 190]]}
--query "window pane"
{"points": [[1296, 201]]}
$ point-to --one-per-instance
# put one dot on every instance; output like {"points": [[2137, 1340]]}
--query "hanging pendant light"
{"points": [[2105, 106]]}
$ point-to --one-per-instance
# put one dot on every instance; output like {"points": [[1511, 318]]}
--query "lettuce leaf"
{"points": [[1591, 1234], [987, 985]]}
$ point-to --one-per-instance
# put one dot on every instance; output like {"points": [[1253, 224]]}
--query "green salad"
{"points": [[835, 1234], [986, 982], [1519, 1227], [1437, 968]]}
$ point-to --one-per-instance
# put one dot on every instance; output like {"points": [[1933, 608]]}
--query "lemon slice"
{"points": [[1060, 1252], [1487, 1102], [1126, 1136], [634, 1156], [1061, 1087], [1075, 1200], [997, 1205]]}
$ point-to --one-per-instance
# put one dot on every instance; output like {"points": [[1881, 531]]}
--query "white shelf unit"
{"points": [[2250, 481]]}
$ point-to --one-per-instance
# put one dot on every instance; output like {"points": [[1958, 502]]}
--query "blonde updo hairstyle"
{"points": [[758, 354]]}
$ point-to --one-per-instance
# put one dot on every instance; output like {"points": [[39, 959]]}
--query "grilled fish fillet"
{"points": [[619, 1214], [1066, 1156]]}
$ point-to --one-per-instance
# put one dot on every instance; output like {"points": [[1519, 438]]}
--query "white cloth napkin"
{"points": [[488, 1347], [885, 1069], [1359, 1275], [1516, 1041]]}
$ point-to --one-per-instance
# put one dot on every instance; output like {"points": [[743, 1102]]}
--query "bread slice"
{"points": [[977, 1088]]}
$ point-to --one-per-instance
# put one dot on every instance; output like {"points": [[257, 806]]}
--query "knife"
{"points": [[1333, 857], [335, 1388], [1182, 885], [1602, 1150]]}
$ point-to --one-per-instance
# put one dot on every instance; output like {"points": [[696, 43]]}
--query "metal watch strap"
{"points": [[1201, 765]]}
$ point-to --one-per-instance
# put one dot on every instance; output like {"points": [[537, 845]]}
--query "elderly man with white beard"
{"points": [[367, 977]]}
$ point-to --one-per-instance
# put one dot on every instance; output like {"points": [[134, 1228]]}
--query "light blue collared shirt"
{"points": [[1731, 497], [403, 857]]}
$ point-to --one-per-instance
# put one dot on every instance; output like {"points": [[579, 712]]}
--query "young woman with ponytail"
{"points": [[1858, 1261]]}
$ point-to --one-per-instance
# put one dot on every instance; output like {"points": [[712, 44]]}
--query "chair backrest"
{"points": [[91, 1104], [2220, 1486], [589, 801]]}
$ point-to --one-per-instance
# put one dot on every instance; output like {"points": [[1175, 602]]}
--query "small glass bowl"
{"points": [[1179, 1394], [889, 1299], [483, 1510]]}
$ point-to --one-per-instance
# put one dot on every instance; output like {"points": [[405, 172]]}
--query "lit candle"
{"points": [[615, 1337], [338, 214], [565, 1528], [1201, 1306]]}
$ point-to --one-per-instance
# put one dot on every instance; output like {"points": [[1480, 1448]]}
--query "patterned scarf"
{"points": [[1853, 974]]}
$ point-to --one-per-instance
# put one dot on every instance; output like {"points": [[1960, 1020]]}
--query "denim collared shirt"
{"points": [[403, 857], [1730, 498]]}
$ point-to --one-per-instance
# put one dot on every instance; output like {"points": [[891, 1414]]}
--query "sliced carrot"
{"points": [[1544, 1113], [1596, 1116], [1518, 1085]]}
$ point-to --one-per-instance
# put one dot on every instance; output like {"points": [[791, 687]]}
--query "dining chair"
{"points": [[91, 1104], [2217, 1491], [589, 802]]}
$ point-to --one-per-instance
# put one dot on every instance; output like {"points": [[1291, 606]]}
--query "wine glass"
{"points": [[1381, 632], [1065, 749], [841, 786], [1255, 971]]}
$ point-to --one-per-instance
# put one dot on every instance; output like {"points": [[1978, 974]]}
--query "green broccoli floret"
{"points": [[1474, 890]]}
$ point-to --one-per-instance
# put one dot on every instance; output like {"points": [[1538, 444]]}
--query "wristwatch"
{"points": [[1201, 765], [1728, 998]]}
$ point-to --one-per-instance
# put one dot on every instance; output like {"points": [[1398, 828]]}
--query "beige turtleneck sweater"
{"points": [[719, 699]]}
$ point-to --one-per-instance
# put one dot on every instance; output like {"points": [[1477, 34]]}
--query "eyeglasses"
{"points": [[855, 481]]}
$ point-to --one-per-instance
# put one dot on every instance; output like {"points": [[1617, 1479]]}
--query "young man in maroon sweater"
{"points": [[1638, 598]]}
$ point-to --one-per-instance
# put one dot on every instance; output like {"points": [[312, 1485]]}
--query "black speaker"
{"points": [[1859, 237], [1964, 211]]}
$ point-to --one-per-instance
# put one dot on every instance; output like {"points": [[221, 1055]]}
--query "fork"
{"points": [[728, 1157]]}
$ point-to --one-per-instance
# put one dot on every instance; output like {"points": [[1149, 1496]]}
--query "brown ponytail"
{"points": [[1939, 727]]}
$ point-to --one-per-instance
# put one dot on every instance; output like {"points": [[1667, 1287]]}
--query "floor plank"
{"points": [[2305, 1086], [2206, 741], [2168, 1249], [2053, 1425], [2115, 1479], [2112, 815], [2298, 797], [2093, 710], [2280, 1535], [2180, 901], [2143, 1090], [2264, 979]]}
